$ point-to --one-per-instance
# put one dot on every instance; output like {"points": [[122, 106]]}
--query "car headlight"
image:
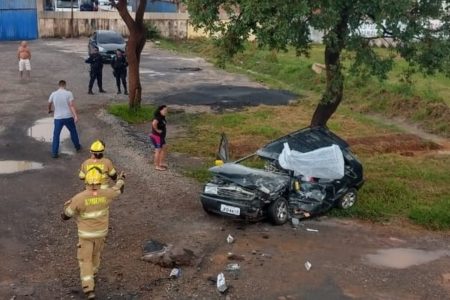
{"points": [[101, 49], [210, 189]]}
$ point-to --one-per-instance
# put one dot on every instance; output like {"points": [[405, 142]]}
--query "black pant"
{"points": [[96, 75], [121, 75]]}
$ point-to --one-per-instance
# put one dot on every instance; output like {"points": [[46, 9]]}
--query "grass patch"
{"points": [[423, 99], [122, 111]]}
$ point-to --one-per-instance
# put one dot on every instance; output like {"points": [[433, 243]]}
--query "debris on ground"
{"points": [[175, 273], [230, 239], [312, 230], [318, 68], [233, 269], [232, 256], [221, 284], [168, 256], [308, 265], [295, 222]]}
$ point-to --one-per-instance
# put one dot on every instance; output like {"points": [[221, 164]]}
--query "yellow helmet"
{"points": [[97, 146], [93, 176]]}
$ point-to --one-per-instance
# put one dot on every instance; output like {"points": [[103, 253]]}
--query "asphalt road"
{"points": [[350, 260]]}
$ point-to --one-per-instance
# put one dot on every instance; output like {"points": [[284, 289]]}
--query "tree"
{"points": [[135, 44], [418, 30]]}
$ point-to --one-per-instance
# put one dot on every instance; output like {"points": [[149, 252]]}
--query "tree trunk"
{"points": [[332, 97], [135, 44]]}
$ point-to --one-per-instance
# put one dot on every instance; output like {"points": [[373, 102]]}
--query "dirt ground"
{"points": [[349, 259]]}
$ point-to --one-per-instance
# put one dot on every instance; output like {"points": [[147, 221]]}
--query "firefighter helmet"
{"points": [[97, 146], [93, 176]]}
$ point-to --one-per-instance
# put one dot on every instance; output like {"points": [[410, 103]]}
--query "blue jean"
{"points": [[70, 125]]}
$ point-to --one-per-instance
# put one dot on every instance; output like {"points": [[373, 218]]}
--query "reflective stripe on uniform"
{"points": [[104, 186], [69, 212], [112, 172], [92, 234], [94, 214], [86, 278], [81, 175]]}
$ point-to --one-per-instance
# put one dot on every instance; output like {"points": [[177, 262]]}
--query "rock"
{"points": [[171, 256], [24, 291], [318, 68], [232, 256]]}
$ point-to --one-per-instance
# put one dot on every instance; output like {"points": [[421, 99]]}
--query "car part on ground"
{"points": [[237, 190]]}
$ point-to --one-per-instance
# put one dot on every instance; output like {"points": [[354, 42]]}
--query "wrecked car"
{"points": [[302, 174]]}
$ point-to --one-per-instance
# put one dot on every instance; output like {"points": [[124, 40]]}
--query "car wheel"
{"points": [[278, 211], [349, 199]]}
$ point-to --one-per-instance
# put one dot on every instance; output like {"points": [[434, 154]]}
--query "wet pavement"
{"points": [[401, 258], [15, 166]]}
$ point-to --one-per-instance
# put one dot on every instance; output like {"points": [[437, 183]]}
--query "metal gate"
{"points": [[18, 20]]}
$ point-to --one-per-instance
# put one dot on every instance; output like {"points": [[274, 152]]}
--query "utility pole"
{"points": [[71, 18]]}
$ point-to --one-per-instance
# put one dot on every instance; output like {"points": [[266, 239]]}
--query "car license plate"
{"points": [[230, 209]]}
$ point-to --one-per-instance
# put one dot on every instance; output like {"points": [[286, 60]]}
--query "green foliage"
{"points": [[152, 32], [140, 115], [280, 24]]}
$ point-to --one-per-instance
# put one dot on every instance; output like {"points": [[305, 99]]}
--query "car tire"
{"points": [[348, 199], [278, 211]]}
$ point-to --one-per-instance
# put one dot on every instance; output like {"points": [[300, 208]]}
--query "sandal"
{"points": [[160, 169]]}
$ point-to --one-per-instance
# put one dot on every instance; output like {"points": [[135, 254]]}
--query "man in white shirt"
{"points": [[65, 115]]}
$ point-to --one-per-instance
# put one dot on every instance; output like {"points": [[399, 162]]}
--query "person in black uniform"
{"points": [[95, 60], [119, 64]]}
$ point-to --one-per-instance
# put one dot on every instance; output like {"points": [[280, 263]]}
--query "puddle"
{"points": [[401, 258], [188, 69], [14, 166], [42, 130]]}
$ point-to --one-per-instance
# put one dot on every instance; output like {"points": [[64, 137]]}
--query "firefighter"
{"points": [[90, 209], [98, 160]]}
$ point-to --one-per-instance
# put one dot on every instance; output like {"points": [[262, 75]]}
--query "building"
{"points": [[19, 19]]}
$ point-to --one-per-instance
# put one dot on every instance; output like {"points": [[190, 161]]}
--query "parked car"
{"points": [[257, 186], [108, 42]]}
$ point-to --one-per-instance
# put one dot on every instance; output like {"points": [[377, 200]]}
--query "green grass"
{"points": [[425, 100], [143, 114]]}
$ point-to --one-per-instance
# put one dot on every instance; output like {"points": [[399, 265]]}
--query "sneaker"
{"points": [[79, 149], [119, 92], [102, 91], [90, 295], [91, 93], [55, 155], [125, 93]]}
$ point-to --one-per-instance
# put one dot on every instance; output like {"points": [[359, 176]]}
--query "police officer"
{"points": [[90, 209], [95, 60], [119, 64], [98, 160]]}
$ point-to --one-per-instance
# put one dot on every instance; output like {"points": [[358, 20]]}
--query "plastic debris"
{"points": [[308, 265], [230, 239], [175, 273], [221, 284], [232, 256], [295, 222], [233, 267], [312, 230]]}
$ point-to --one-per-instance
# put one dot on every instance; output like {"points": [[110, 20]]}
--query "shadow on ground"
{"points": [[226, 96]]}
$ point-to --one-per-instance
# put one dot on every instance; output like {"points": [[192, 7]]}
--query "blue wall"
{"points": [[18, 20], [160, 6]]}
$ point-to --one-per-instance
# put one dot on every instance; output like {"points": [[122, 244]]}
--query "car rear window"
{"points": [[110, 38]]}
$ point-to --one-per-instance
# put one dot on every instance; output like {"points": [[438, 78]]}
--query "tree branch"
{"points": [[140, 11]]}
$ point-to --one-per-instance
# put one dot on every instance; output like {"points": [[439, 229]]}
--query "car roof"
{"points": [[303, 140], [107, 32]]}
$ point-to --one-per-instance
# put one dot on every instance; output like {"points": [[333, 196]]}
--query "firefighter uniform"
{"points": [[90, 209], [97, 160], [104, 164]]}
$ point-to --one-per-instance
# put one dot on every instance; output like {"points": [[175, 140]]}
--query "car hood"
{"points": [[112, 47], [266, 182], [303, 140]]}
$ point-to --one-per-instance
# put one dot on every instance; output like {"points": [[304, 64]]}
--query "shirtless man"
{"points": [[24, 56]]}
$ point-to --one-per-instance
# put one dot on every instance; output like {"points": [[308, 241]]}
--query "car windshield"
{"points": [[110, 38]]}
